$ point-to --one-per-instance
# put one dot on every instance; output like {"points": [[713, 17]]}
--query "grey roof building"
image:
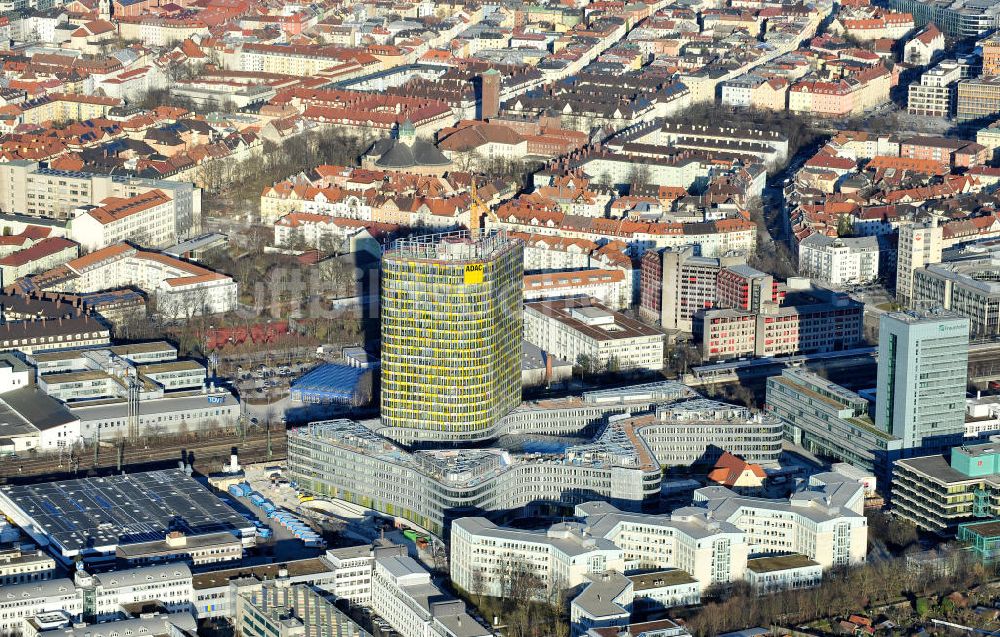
{"points": [[90, 517], [405, 151], [970, 287]]}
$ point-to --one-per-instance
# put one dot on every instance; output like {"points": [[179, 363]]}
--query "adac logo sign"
{"points": [[473, 273]]}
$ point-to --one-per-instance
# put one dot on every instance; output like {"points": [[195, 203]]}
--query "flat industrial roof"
{"points": [[122, 509], [170, 366], [986, 528], [779, 563], [73, 377], [657, 579], [142, 348], [296, 568], [37, 407], [561, 310], [93, 411], [162, 547]]}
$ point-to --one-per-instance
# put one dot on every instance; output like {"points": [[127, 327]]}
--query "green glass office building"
{"points": [[922, 372]]}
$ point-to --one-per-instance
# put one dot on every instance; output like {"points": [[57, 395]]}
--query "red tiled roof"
{"points": [[728, 469], [42, 249]]}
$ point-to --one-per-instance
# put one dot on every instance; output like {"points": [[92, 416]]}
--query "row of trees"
{"points": [[301, 153], [526, 606], [843, 592], [592, 365], [770, 255]]}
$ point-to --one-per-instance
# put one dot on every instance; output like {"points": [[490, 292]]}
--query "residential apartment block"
{"points": [[936, 94], [147, 219], [919, 245], [950, 153], [612, 288], [26, 187], [43, 255], [675, 284], [925, 46], [182, 289], [839, 261]]}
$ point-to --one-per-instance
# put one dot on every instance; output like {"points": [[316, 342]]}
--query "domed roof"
{"points": [[427, 154], [381, 147], [398, 156]]}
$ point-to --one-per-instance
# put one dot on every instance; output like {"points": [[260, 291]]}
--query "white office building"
{"points": [[21, 566], [584, 330], [783, 572], [100, 597], [563, 556], [919, 245], [352, 573], [609, 599], [405, 597], [824, 521], [21, 602], [710, 541], [839, 261], [168, 584]]}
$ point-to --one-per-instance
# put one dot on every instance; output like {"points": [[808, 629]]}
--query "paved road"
{"points": [[787, 360]]}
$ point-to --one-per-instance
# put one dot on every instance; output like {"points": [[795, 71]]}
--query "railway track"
{"points": [[205, 456]]}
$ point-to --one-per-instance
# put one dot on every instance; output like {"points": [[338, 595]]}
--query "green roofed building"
{"points": [[983, 538], [938, 494]]}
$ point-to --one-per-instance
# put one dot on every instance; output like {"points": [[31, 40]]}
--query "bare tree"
{"points": [[520, 582], [638, 177], [364, 391], [478, 584]]}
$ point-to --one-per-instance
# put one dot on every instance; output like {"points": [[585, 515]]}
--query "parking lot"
{"points": [[342, 524], [262, 380], [282, 545]]}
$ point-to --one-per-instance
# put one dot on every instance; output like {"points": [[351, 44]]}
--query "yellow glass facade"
{"points": [[451, 335]]}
